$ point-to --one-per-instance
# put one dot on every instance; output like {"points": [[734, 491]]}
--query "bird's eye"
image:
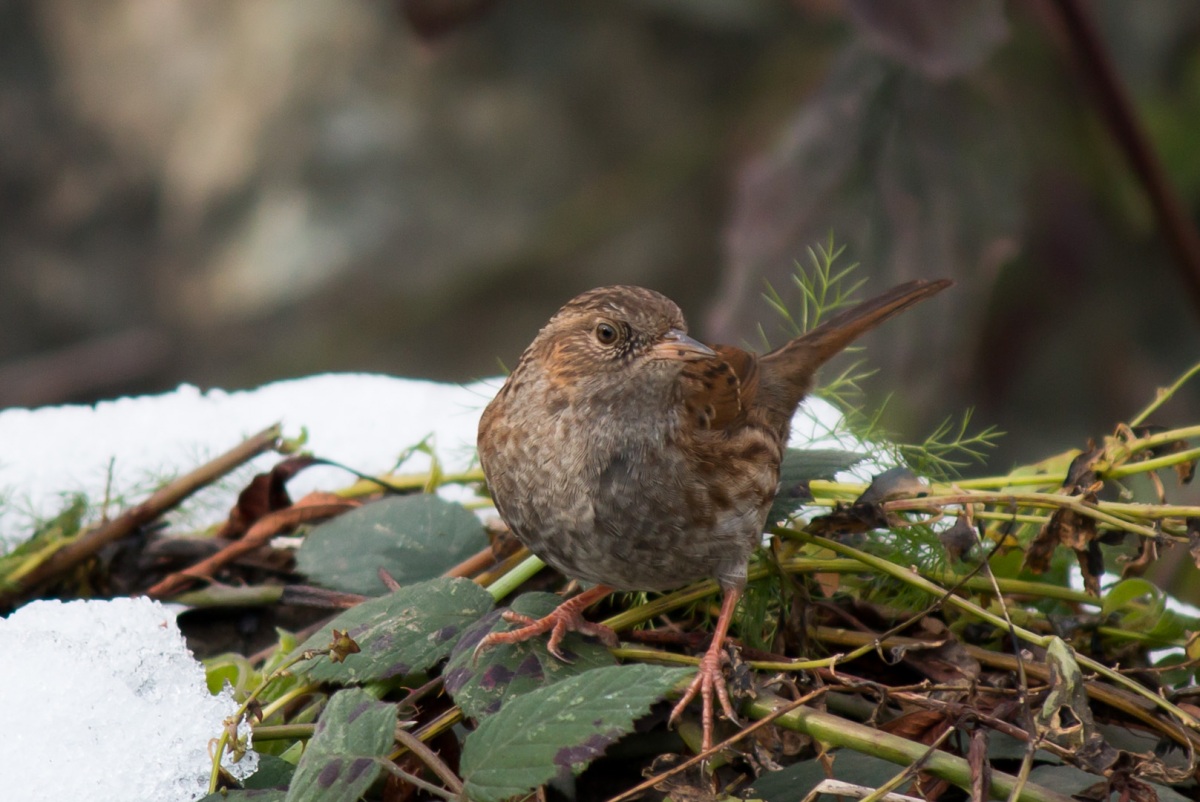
{"points": [[606, 333]]}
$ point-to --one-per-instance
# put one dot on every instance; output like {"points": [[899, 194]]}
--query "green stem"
{"points": [[287, 698], [916, 580], [693, 593], [1164, 395], [1162, 438], [1147, 465], [284, 732], [839, 732], [240, 714], [515, 578], [411, 481], [1049, 500]]}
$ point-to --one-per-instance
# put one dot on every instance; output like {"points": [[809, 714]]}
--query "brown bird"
{"points": [[625, 453]]}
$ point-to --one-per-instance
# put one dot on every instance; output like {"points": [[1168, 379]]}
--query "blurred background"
{"points": [[227, 193]]}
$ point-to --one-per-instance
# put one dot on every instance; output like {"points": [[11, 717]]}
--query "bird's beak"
{"points": [[678, 346]]}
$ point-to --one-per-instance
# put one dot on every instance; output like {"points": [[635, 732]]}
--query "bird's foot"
{"points": [[566, 617], [709, 682]]}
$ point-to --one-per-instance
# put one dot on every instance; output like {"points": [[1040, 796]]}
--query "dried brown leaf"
{"points": [[1147, 556], [958, 539], [1081, 474], [921, 726], [266, 493]]}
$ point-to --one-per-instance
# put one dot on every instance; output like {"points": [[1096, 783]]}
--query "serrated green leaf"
{"points": [[506, 671], [406, 631], [559, 729], [800, 467], [413, 538], [343, 758]]}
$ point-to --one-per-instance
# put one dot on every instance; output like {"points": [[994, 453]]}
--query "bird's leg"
{"points": [[710, 677], [566, 617]]}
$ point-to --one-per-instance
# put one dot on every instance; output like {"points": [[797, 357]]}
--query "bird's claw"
{"points": [[710, 680], [567, 617]]}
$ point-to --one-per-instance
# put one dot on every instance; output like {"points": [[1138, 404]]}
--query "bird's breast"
{"points": [[620, 497]]}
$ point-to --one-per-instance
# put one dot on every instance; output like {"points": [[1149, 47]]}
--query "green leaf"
{"points": [[273, 772], [557, 730], [409, 630], [413, 538], [1126, 591], [505, 671], [343, 758], [800, 467], [1170, 626], [268, 784]]}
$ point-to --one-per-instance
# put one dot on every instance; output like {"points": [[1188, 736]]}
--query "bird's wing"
{"points": [[718, 391]]}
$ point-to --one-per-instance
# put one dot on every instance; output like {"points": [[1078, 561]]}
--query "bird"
{"points": [[629, 455]]}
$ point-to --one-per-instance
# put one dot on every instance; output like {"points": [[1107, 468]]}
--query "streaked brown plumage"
{"points": [[625, 453]]}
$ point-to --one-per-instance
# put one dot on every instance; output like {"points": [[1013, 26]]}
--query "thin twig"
{"points": [[716, 748], [836, 731], [429, 787], [88, 544], [914, 579], [483, 559], [1162, 396], [909, 770], [417, 747], [263, 530]]}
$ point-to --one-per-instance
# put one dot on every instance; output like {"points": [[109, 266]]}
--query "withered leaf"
{"points": [[1193, 533], [1147, 556], [940, 656], [865, 513], [684, 786], [850, 519], [922, 726], [1081, 474], [1041, 549], [947, 663], [958, 539], [1071, 529], [1185, 471], [266, 493], [892, 484], [1066, 716], [1091, 565], [1078, 533]]}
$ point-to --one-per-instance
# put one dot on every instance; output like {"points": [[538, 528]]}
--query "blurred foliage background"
{"points": [[227, 193]]}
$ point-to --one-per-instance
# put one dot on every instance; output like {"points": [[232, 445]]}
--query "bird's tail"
{"points": [[793, 365]]}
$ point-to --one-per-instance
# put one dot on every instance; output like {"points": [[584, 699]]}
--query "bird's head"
{"points": [[618, 329]]}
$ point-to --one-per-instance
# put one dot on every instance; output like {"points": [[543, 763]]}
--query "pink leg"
{"points": [[710, 678], [566, 617]]}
